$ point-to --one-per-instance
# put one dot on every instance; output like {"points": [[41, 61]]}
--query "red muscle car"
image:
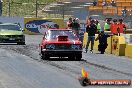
{"points": [[61, 43]]}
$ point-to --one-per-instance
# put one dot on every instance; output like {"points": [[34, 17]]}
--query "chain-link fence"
{"points": [[24, 8], [39, 8]]}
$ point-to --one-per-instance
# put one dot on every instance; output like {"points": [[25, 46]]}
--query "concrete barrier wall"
{"points": [[85, 40], [116, 44], [96, 43], [109, 47], [128, 50]]}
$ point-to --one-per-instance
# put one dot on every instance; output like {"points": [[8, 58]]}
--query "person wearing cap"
{"points": [[114, 27], [122, 26], [91, 30]]}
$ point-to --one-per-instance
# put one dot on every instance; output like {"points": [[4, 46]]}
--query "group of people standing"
{"points": [[105, 3], [74, 24], [93, 27], [116, 26]]}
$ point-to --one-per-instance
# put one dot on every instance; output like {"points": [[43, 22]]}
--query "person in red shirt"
{"points": [[122, 26], [114, 27]]}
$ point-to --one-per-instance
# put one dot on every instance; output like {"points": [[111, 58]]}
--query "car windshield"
{"points": [[10, 27], [55, 33]]}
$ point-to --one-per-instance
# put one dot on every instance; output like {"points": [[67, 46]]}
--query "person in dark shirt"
{"points": [[113, 3], [102, 37], [75, 27], [91, 30], [124, 12]]}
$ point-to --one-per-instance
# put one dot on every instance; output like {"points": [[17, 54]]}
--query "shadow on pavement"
{"points": [[60, 59]]}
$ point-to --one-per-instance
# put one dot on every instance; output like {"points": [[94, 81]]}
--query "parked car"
{"points": [[61, 43], [11, 33]]}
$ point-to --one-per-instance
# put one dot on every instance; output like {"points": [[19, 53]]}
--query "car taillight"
{"points": [[62, 38]]}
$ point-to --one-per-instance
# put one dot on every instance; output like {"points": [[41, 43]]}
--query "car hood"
{"points": [[64, 42], [10, 32]]}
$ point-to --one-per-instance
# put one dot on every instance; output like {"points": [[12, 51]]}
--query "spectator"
{"points": [[77, 19], [114, 27], [104, 3], [76, 26], [107, 25], [113, 3], [88, 21], [94, 3], [91, 30], [122, 26], [56, 26], [69, 23], [98, 26], [102, 37], [124, 12]]}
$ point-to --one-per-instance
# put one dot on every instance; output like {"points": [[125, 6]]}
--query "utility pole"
{"points": [[131, 20], [36, 9], [63, 12], [9, 8], [1, 2]]}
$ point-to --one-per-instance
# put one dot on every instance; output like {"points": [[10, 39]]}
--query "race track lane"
{"points": [[18, 71], [25, 70]]}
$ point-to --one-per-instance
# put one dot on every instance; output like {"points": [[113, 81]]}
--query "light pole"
{"points": [[63, 12], [9, 8], [131, 19]]}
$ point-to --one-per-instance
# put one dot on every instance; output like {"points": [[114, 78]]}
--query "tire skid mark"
{"points": [[63, 67], [25, 50]]}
